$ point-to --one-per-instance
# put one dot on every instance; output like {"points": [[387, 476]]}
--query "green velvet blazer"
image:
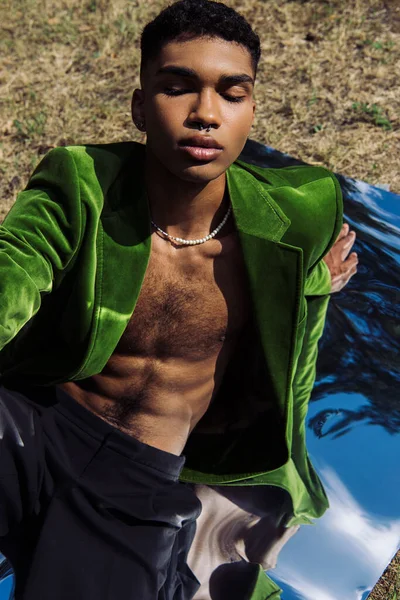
{"points": [[74, 250]]}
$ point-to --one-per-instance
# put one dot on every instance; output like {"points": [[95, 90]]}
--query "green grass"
{"points": [[378, 116]]}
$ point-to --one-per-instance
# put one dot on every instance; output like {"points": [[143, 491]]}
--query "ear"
{"points": [[254, 112], [137, 108]]}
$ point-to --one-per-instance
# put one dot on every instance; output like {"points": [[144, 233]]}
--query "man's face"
{"points": [[203, 81]]}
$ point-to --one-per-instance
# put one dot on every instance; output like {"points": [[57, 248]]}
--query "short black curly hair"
{"points": [[189, 19]]}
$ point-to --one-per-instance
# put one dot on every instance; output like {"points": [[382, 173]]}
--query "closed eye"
{"points": [[175, 92], [179, 92]]}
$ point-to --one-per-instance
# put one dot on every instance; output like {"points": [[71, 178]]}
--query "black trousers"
{"points": [[88, 512]]}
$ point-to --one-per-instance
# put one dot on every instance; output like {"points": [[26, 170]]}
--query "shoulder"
{"points": [[294, 177], [311, 198], [109, 156], [86, 173], [92, 164]]}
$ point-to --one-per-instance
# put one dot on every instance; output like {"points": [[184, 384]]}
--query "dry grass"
{"points": [[388, 587], [328, 89]]}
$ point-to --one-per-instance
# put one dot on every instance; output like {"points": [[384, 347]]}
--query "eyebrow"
{"points": [[186, 72]]}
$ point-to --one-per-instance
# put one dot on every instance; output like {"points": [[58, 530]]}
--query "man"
{"points": [[155, 304]]}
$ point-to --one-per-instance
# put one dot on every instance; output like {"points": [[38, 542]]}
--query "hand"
{"points": [[342, 268]]}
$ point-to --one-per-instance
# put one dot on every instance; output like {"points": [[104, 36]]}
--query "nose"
{"points": [[206, 110]]}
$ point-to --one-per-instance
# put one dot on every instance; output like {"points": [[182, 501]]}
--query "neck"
{"points": [[183, 208]]}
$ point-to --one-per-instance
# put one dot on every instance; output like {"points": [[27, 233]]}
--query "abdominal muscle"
{"points": [[159, 402]]}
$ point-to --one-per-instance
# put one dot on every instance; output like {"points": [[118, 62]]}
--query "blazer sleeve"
{"points": [[38, 240], [317, 296], [319, 282]]}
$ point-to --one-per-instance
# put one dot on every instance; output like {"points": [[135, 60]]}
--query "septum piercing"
{"points": [[208, 128]]}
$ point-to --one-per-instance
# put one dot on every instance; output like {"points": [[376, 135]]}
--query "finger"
{"points": [[349, 263], [352, 272], [353, 268], [344, 239], [339, 282], [352, 258], [342, 248], [347, 244], [347, 270], [343, 232]]}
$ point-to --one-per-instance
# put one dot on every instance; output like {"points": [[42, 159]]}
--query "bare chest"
{"points": [[189, 307]]}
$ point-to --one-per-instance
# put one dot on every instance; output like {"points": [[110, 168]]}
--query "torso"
{"points": [[169, 363]]}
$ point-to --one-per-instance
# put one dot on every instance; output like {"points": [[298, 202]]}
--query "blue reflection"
{"points": [[289, 592], [343, 555], [6, 579], [7, 587]]}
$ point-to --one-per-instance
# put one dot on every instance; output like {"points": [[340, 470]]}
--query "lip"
{"points": [[201, 141], [201, 153]]}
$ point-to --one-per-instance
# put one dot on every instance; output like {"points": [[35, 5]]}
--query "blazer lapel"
{"points": [[274, 271], [123, 255], [274, 268]]}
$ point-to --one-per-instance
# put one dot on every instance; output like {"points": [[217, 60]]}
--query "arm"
{"points": [[335, 270], [38, 240], [330, 275]]}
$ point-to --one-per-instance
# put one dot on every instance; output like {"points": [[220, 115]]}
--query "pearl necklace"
{"points": [[200, 241]]}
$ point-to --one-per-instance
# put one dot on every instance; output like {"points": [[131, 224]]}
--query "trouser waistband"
{"points": [[132, 447]]}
